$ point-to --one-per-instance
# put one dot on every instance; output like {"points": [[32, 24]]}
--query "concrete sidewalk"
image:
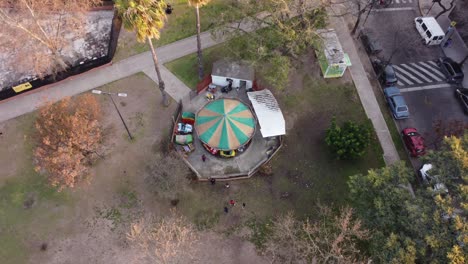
{"points": [[142, 62], [176, 89], [365, 91]]}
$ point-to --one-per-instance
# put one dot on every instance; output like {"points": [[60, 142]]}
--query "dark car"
{"points": [[396, 102], [386, 73], [451, 69], [414, 141], [372, 46], [462, 95]]}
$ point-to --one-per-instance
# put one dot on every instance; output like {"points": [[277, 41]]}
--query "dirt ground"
{"points": [[90, 226], [89, 223]]}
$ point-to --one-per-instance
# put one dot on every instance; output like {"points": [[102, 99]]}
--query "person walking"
{"points": [[232, 202], [226, 185], [243, 205], [226, 210], [213, 181], [203, 157]]}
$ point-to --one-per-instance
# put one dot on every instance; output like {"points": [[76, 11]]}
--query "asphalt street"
{"points": [[428, 96]]}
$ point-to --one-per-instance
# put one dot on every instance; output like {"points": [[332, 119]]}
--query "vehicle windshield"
{"points": [[456, 67], [402, 109]]}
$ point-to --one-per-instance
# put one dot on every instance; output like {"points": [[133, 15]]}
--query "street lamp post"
{"points": [[116, 108]]}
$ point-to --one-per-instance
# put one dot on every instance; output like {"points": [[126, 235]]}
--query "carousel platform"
{"points": [[257, 152]]}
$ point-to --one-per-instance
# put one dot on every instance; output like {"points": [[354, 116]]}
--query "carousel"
{"points": [[225, 127]]}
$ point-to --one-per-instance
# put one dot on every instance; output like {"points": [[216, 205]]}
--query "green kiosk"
{"points": [[333, 61]]}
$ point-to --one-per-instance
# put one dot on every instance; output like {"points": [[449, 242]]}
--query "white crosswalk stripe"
{"points": [[414, 71], [434, 68], [418, 74], [433, 76], [404, 75]]}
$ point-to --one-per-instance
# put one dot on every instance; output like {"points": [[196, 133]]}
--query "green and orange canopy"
{"points": [[225, 124]]}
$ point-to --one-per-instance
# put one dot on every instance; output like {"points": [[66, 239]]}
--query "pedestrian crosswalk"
{"points": [[418, 73]]}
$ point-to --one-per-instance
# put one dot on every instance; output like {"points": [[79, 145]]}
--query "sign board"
{"points": [[22, 87]]}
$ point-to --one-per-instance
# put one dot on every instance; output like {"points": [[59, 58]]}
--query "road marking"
{"points": [[407, 74], [393, 9], [415, 71], [434, 69], [427, 87], [427, 72], [400, 83]]}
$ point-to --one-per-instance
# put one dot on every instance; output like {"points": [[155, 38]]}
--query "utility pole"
{"points": [[116, 108]]}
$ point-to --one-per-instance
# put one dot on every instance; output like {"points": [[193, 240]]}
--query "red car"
{"points": [[414, 141]]}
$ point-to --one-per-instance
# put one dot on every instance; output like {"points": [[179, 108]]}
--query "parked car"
{"points": [[210, 149], [396, 102], [427, 178], [451, 69], [462, 95], [183, 128], [372, 46], [227, 153], [414, 141], [386, 73]]}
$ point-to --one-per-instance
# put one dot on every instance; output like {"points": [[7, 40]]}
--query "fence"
{"points": [[203, 84]]}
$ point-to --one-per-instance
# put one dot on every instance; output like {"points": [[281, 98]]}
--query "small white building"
{"points": [[241, 73]]}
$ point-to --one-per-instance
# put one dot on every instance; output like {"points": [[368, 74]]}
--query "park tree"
{"points": [[146, 18], [349, 141], [168, 177], [271, 34], [407, 228], [37, 31], [330, 238], [163, 240], [197, 4], [69, 134]]}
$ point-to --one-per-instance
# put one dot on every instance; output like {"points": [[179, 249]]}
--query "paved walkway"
{"points": [[365, 91], [176, 89]]}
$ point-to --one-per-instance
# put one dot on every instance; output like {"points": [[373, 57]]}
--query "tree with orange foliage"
{"points": [[69, 133]]}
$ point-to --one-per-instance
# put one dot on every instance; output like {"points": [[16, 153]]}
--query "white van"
{"points": [[430, 30]]}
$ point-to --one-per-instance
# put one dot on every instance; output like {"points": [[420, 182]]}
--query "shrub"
{"points": [[349, 141]]}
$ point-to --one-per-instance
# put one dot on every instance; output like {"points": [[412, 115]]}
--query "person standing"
{"points": [[232, 202], [203, 157], [226, 210]]}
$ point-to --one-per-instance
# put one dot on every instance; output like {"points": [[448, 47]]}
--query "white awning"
{"points": [[268, 113]]}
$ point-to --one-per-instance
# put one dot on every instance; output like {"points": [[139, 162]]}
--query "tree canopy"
{"points": [[428, 227], [331, 238], [69, 133], [37, 32], [271, 34]]}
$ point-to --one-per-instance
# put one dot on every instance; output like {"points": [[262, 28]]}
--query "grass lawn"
{"points": [[303, 168], [180, 24], [186, 68], [27, 203]]}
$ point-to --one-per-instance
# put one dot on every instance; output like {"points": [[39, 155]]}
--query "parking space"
{"points": [[421, 81]]}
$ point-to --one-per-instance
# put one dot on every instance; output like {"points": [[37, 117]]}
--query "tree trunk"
{"points": [[199, 52], [444, 9], [158, 73], [358, 19]]}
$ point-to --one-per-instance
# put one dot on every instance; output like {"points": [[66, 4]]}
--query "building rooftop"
{"points": [[233, 69], [94, 43], [332, 46]]}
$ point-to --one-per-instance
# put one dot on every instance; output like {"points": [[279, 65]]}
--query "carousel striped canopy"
{"points": [[225, 124]]}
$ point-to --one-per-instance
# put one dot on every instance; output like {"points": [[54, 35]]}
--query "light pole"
{"points": [[116, 108]]}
